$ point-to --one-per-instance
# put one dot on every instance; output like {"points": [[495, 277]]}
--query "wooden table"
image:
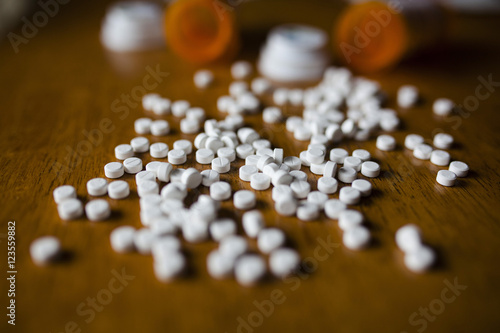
{"points": [[61, 84]]}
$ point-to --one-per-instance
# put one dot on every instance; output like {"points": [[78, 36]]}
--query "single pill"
{"points": [[97, 187], [118, 189], [302, 133], [200, 140], [149, 215], [263, 161], [443, 106], [272, 115], [330, 169], [97, 210], [252, 160], [158, 150], [386, 142], [420, 260], [233, 246], [222, 228], [195, 231], [303, 158], [179, 108], [347, 175], [422, 152], [327, 185], [318, 169], [140, 144], [307, 211], [283, 262], [315, 156], [350, 218], [443, 141], [153, 167], [114, 170], [185, 145], [147, 187], [280, 96], [298, 175], [407, 96], [408, 238], [161, 106], [270, 239], [227, 152], [165, 246], [353, 162], [286, 206], [143, 125], [281, 192], [122, 239], [45, 250], [169, 206], [356, 238], [334, 207], [293, 162], [218, 265], [175, 176], [221, 165], [260, 85], [160, 127], [260, 181], [145, 175], [460, 169], [363, 154], [70, 209], [203, 78], [163, 172], [220, 191], [285, 167], [349, 195], [148, 201], [176, 191], [123, 151], [264, 151], [319, 139], [204, 156], [318, 198], [413, 140], [177, 156], [253, 223], [249, 269], [281, 177], [132, 165], [244, 199], [338, 155], [208, 177], [440, 157], [300, 189], [149, 100], [247, 171], [189, 126], [170, 268], [270, 169], [446, 177], [370, 169], [241, 70], [247, 135], [191, 178], [363, 186], [261, 144], [64, 192], [244, 150], [293, 122]]}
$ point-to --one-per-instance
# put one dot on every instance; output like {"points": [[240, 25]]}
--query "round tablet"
{"points": [[363, 186], [420, 260], [281, 192], [143, 125], [350, 218], [244, 199], [281, 177], [153, 167], [253, 223], [160, 127], [220, 191], [140, 144], [204, 156], [191, 178], [440, 157], [349, 195], [132, 165], [70, 209], [286, 206], [300, 189], [218, 265], [147, 187], [97, 210], [45, 249], [353, 162], [246, 172], [208, 177], [370, 169], [338, 155], [163, 172], [318, 169], [145, 175], [334, 207], [180, 107], [97, 187], [356, 238], [185, 145], [176, 191], [422, 151], [327, 185], [114, 170], [283, 262], [249, 269], [446, 177], [307, 211], [459, 168], [263, 161], [315, 156], [123, 151], [385, 142], [318, 198], [221, 228], [118, 189], [330, 169], [413, 140], [64, 192], [363, 154], [270, 239], [408, 238], [177, 156], [347, 175], [443, 141], [158, 150], [298, 175], [260, 181], [244, 150], [303, 158], [227, 152], [221, 164], [168, 269], [293, 162], [122, 239], [443, 106]]}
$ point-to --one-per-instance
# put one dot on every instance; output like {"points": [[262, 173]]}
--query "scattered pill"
{"points": [[327, 185], [246, 172], [45, 250], [422, 151], [349, 195], [272, 115], [64, 192], [163, 172], [281, 177], [370, 169], [260, 181], [208, 177], [249, 269], [176, 191], [122, 239], [179, 108], [446, 177], [283, 262], [353, 162], [244, 199], [218, 265], [356, 238], [338, 155], [140, 144], [420, 260], [318, 169], [203, 78], [334, 207], [307, 211], [363, 186], [70, 209], [221, 165], [143, 125], [362, 154], [443, 141], [315, 156], [300, 189], [270, 239], [153, 167], [270, 169], [220, 191], [222, 228], [244, 150], [228, 153], [293, 162], [346, 175], [385, 142], [281, 192], [191, 178], [460, 169], [124, 151], [165, 246], [253, 223], [114, 170], [298, 175], [158, 150], [169, 268], [241, 70], [443, 106], [118, 189], [318, 198], [184, 145], [408, 238], [440, 157], [350, 218], [160, 127], [97, 187], [132, 165], [407, 96], [97, 210], [177, 156]]}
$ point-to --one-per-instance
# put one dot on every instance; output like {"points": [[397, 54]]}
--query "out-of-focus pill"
{"points": [[97, 187], [443, 141], [221, 228], [203, 78], [208, 177], [97, 210], [64, 192], [140, 144], [334, 207], [143, 125], [349, 195], [443, 106], [408, 238], [220, 191], [300, 189], [350, 218], [422, 151], [413, 140], [260, 181], [420, 260], [363, 186], [160, 127], [253, 223], [283, 262], [122, 239], [70, 209], [385, 142], [249, 269], [118, 189], [45, 249], [356, 238], [327, 185], [293, 162], [244, 199], [407, 96], [270, 239]]}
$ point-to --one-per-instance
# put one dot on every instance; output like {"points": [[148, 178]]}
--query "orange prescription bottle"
{"points": [[374, 35]]}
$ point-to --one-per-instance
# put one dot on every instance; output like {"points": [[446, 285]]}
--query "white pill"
{"points": [[283, 262], [208, 177], [123, 151], [270, 169], [408, 238], [122, 239], [443, 141], [132, 165], [263, 161], [160, 127], [233, 246], [177, 156], [420, 260], [260, 86], [307, 211], [70, 209], [174, 191], [184, 145], [350, 218], [264, 152], [293, 122], [145, 175], [197, 114], [221, 165], [97, 210], [253, 223], [189, 126], [180, 107], [171, 267], [249, 269], [386, 142], [200, 140], [460, 169], [163, 172], [413, 140], [281, 177], [244, 199], [147, 187], [222, 228], [272, 115], [363, 186], [318, 169], [443, 106], [293, 162], [161, 106], [45, 249], [204, 156], [446, 177], [158, 150], [153, 167], [176, 174], [280, 96], [300, 189], [334, 133], [148, 201], [302, 133], [241, 70], [260, 144], [356, 238], [440, 157], [422, 151], [247, 135], [346, 175], [118, 189], [327, 185], [333, 208], [318, 198], [191, 178], [114, 170], [165, 246], [349, 195], [218, 265], [286, 206], [220, 191], [285, 167], [169, 206], [203, 78], [330, 169], [407, 96], [303, 158], [270, 239], [97, 187], [244, 150], [298, 175], [363, 154], [149, 215], [315, 156], [65, 192], [338, 155], [143, 125], [281, 192], [370, 169], [227, 152], [246, 172], [148, 100], [260, 181], [353, 162], [140, 144]]}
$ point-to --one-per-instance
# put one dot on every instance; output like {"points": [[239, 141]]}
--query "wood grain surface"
{"points": [[62, 85]]}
